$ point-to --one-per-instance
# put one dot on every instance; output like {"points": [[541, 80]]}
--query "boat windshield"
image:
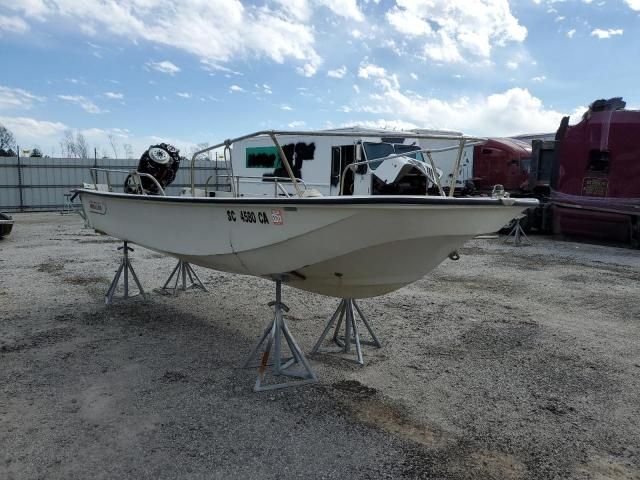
{"points": [[374, 151], [405, 149]]}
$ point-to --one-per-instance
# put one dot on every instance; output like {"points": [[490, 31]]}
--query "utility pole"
{"points": [[20, 179]]}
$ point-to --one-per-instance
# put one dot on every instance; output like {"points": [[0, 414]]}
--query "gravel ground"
{"points": [[511, 363]]}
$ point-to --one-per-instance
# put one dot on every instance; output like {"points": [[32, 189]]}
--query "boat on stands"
{"points": [[343, 245], [349, 214]]}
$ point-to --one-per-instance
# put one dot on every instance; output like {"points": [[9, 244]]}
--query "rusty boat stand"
{"points": [[125, 267], [295, 366]]}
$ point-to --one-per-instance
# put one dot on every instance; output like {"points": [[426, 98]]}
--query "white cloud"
{"points": [[30, 131], [369, 70], [17, 98], [453, 31], [165, 67], [184, 94], [571, 33], [404, 20], [302, 10], [338, 72], [307, 70], [236, 88], [47, 135], [378, 74], [356, 88], [114, 95], [344, 8], [212, 66], [633, 4], [382, 124], [505, 113], [539, 79], [13, 24], [86, 104], [512, 65], [443, 50], [264, 88], [285, 107], [219, 31], [297, 124], [600, 33], [413, 75]]}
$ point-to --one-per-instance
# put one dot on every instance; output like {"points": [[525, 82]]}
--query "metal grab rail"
{"points": [[416, 163], [277, 181], [272, 133], [134, 174]]}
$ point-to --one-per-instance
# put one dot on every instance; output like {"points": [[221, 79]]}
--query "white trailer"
{"points": [[319, 161]]}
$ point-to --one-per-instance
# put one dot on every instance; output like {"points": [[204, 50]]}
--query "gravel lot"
{"points": [[511, 363]]}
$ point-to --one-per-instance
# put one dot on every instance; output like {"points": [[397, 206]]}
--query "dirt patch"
{"points": [[355, 387], [498, 465], [101, 240], [39, 340], [85, 280], [50, 266], [608, 468], [392, 419]]}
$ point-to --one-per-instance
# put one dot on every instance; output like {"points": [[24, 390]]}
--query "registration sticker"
{"points": [[276, 217], [97, 207]]}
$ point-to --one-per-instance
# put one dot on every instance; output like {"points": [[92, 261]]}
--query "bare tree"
{"points": [[128, 150], [114, 144], [197, 148], [7, 140], [202, 146], [82, 147], [68, 144]]}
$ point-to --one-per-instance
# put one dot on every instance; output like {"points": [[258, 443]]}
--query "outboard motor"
{"points": [[160, 161]]}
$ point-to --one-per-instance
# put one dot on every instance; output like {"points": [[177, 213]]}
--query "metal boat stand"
{"points": [[182, 271], [519, 237], [295, 366], [344, 312], [126, 267]]}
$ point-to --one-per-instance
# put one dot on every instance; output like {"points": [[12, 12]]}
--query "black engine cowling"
{"points": [[161, 162]]}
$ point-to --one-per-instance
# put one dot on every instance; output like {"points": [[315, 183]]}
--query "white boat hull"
{"points": [[348, 247]]}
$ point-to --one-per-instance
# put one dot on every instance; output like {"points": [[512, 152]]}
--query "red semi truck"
{"points": [[588, 178], [501, 161]]}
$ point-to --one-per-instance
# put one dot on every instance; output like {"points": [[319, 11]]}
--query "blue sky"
{"points": [[197, 71]]}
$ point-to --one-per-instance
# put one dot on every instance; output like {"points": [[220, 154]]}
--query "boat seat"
{"points": [[311, 192]]}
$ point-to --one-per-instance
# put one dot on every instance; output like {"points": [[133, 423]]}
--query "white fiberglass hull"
{"points": [[349, 247]]}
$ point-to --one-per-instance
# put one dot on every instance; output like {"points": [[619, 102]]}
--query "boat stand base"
{"points": [[125, 267], [344, 314], [518, 235], [295, 366], [182, 271]]}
